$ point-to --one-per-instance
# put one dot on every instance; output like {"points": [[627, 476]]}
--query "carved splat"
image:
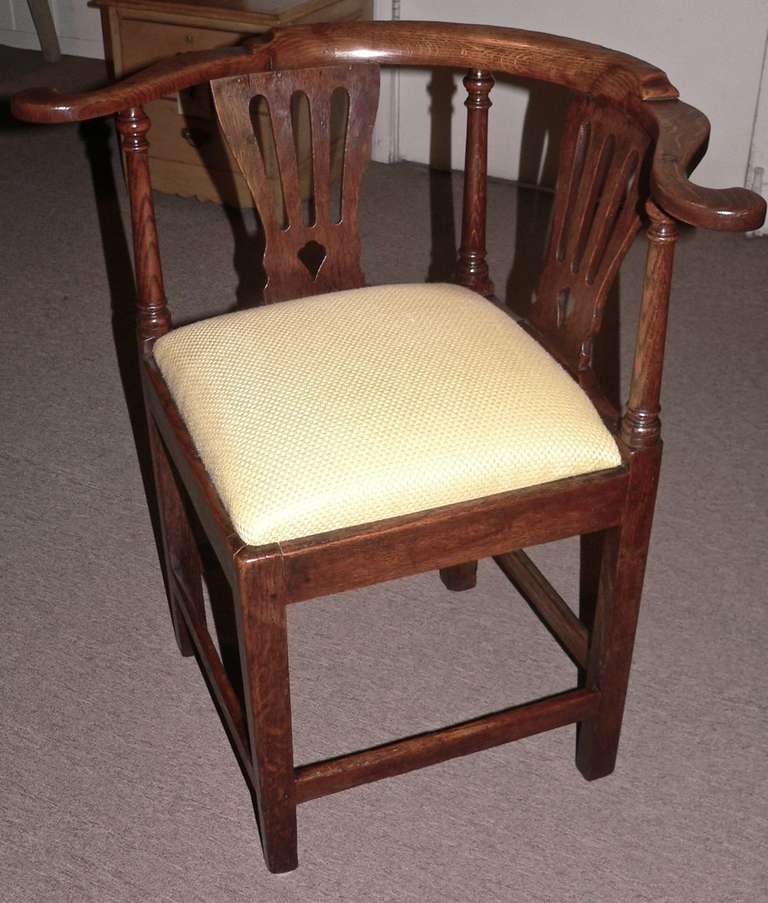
{"points": [[308, 210], [594, 221]]}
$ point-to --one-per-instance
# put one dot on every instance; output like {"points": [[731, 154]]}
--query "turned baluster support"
{"points": [[178, 547], [641, 426], [472, 267], [152, 314]]}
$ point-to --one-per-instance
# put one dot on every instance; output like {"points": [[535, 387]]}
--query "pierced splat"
{"points": [[594, 221], [311, 242]]}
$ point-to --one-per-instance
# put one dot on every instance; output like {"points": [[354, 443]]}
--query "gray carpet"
{"points": [[118, 783]]}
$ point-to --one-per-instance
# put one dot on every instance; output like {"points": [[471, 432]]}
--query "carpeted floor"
{"points": [[118, 784]]}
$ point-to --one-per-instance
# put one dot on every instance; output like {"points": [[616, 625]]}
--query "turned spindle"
{"points": [[152, 314], [472, 267], [641, 426]]}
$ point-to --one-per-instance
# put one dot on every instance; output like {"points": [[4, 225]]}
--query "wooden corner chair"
{"points": [[323, 448]]}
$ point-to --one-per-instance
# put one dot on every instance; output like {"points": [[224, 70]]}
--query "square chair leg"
{"points": [[263, 638], [623, 557], [183, 570]]}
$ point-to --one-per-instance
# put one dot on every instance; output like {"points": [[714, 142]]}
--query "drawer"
{"points": [[196, 139], [187, 139], [221, 187], [145, 42]]}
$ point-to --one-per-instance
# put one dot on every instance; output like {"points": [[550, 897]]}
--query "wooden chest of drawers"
{"points": [[188, 156]]}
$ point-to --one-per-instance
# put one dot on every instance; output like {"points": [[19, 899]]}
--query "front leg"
{"points": [[263, 639]]}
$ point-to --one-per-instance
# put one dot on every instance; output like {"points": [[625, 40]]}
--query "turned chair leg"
{"points": [[263, 639], [459, 577], [180, 552], [610, 655]]}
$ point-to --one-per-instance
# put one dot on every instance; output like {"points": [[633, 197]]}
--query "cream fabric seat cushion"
{"points": [[350, 407]]}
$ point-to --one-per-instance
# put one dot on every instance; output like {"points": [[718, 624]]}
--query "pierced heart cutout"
{"points": [[312, 255]]}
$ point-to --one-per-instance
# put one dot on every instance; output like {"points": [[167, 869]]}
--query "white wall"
{"points": [[757, 171], [712, 51], [78, 27]]}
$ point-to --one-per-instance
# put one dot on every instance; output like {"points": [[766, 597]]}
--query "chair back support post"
{"points": [[471, 267], [152, 314], [641, 426]]}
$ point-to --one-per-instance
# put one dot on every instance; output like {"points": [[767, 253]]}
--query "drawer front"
{"points": [[172, 177], [188, 139], [143, 42], [196, 139]]}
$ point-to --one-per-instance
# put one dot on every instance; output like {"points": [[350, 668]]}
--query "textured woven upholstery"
{"points": [[345, 408]]}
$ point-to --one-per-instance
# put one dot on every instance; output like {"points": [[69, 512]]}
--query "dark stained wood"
{"points": [[583, 67], [338, 243], [179, 546], [184, 70], [682, 132], [613, 127], [548, 604], [263, 638], [590, 560], [431, 540], [226, 697], [624, 557], [594, 222], [153, 318], [641, 425], [460, 577], [410, 753], [472, 267]]}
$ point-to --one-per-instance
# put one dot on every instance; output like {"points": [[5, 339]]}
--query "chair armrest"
{"points": [[682, 135], [166, 77]]}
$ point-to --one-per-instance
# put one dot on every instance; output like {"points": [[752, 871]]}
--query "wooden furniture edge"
{"points": [[578, 65], [549, 606], [682, 133], [203, 495], [432, 747], [354, 557], [46, 105]]}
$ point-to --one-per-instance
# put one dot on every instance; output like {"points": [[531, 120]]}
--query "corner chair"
{"points": [[340, 435]]}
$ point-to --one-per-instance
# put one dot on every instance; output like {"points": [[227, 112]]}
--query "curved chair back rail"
{"points": [[679, 130], [577, 65]]}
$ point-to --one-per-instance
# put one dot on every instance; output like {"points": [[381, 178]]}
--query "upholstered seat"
{"points": [[350, 407]]}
